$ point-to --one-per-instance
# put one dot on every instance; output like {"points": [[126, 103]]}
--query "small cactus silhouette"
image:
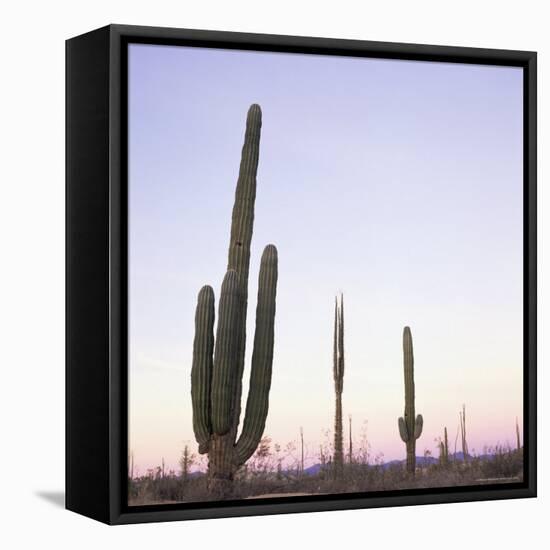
{"points": [[410, 425]]}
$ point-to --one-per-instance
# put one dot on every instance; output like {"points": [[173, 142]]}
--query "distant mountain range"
{"points": [[420, 461], [314, 469]]}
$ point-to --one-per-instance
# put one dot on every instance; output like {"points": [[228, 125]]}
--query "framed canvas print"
{"points": [[300, 274]]}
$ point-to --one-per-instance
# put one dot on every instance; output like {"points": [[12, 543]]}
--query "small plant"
{"points": [[187, 459], [504, 463]]}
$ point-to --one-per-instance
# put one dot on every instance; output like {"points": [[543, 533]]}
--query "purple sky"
{"points": [[396, 182]]}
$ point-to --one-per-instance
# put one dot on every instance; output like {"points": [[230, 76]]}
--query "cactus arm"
{"points": [[225, 354], [201, 370], [242, 221], [262, 358], [403, 429], [242, 218], [419, 423]]}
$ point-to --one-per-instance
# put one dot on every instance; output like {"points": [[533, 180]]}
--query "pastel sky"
{"points": [[398, 183]]}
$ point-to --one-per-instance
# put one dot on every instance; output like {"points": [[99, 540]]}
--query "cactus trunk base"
{"points": [[411, 458], [220, 466], [220, 489], [338, 440]]}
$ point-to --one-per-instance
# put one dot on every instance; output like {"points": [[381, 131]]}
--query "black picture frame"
{"points": [[96, 272]]}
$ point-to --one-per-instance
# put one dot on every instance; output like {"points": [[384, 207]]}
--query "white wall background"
{"points": [[32, 271]]}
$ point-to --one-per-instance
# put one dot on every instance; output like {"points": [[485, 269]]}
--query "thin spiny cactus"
{"points": [[462, 416], [350, 457], [441, 448], [302, 449], [338, 375], [444, 449], [132, 465], [446, 446]]}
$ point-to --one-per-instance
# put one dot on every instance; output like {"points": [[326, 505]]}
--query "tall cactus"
{"points": [[338, 374], [410, 426], [218, 364]]}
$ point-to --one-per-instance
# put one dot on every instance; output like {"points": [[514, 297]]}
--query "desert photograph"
{"points": [[325, 274]]}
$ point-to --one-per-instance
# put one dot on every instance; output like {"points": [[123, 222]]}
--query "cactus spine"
{"points": [[338, 373], [218, 364], [410, 426]]}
